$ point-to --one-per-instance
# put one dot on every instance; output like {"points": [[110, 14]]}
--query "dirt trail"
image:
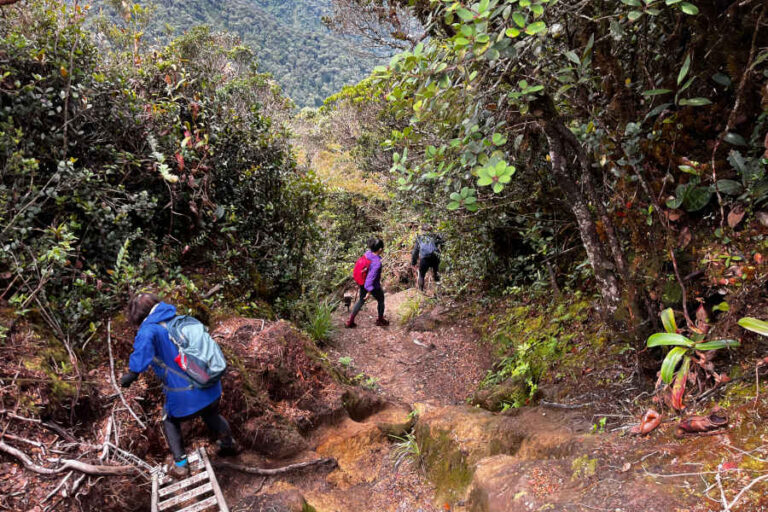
{"points": [[430, 361], [472, 460]]}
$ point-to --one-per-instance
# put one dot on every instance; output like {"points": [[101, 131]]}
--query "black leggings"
{"points": [[216, 424], [432, 261], [377, 294]]}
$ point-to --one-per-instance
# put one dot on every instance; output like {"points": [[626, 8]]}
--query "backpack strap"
{"points": [[167, 369]]}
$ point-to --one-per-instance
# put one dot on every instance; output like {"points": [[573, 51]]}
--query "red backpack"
{"points": [[361, 270]]}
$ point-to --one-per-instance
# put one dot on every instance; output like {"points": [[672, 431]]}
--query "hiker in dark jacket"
{"points": [[372, 284], [426, 252], [153, 347]]}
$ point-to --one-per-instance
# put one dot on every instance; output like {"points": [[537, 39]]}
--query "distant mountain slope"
{"points": [[289, 39]]}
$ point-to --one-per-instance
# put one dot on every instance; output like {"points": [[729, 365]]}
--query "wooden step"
{"points": [[168, 489], [186, 496], [202, 505]]}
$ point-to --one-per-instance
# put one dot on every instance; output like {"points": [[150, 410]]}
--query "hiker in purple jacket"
{"points": [[372, 284]]}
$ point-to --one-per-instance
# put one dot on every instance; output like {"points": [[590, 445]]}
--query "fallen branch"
{"points": [[56, 489], [112, 375], [67, 465], [276, 471], [212, 291]]}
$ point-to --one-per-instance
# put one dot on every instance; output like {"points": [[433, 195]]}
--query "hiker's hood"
{"points": [[372, 256], [162, 312]]}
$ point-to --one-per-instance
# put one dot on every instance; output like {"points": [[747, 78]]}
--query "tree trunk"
{"points": [[559, 142]]}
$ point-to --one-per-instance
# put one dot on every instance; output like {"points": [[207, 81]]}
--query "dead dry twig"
{"points": [[112, 376]]}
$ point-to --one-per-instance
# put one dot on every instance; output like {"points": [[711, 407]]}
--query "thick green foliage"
{"points": [[110, 162]]}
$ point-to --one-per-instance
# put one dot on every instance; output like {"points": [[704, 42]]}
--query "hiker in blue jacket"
{"points": [[426, 252], [372, 284], [182, 400]]}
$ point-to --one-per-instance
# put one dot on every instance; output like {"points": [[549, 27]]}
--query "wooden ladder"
{"points": [[200, 491]]}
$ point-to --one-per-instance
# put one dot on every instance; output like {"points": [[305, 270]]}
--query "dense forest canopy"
{"points": [[288, 38]]}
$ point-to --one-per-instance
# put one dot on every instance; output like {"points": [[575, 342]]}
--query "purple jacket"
{"points": [[373, 279]]}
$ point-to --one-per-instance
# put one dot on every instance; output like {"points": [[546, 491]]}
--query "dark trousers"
{"points": [[216, 424], [432, 261], [377, 294]]}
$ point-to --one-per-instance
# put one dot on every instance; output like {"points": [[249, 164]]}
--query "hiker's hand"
{"points": [[128, 378]]}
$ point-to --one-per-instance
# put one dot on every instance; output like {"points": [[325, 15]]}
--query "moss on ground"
{"points": [[446, 465], [532, 336]]}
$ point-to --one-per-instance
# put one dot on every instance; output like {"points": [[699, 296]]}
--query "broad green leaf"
{"points": [[735, 139], [669, 365], [634, 15], [465, 14], [697, 198], [537, 10], [674, 203], [669, 339], [716, 344], [454, 205], [729, 187], [519, 19], [632, 3], [656, 92], [535, 28], [573, 57], [668, 320], [695, 102], [754, 325], [689, 8], [688, 169], [499, 139], [483, 6], [512, 32], [684, 70]]}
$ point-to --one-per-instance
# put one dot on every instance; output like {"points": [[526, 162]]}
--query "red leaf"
{"points": [[735, 216], [180, 161], [678, 386]]}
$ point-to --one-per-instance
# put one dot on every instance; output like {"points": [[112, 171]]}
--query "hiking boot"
{"points": [[350, 324], [382, 322], [227, 448], [179, 472]]}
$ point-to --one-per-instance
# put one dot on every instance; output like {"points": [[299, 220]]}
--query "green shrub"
{"points": [[320, 322], [117, 168]]}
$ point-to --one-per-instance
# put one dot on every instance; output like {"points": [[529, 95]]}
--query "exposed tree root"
{"points": [[68, 464], [276, 471]]}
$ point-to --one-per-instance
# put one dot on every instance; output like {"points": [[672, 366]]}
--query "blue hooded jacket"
{"points": [[152, 341]]}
